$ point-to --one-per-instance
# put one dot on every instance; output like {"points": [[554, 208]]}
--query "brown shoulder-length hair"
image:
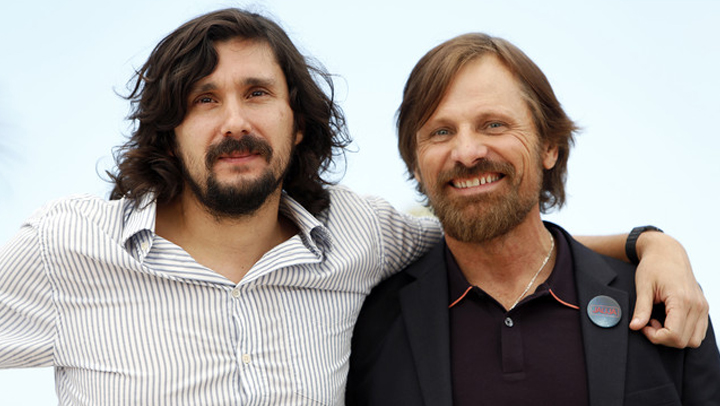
{"points": [[159, 103], [432, 76]]}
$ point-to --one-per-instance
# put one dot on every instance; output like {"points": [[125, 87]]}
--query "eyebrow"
{"points": [[247, 82], [252, 81]]}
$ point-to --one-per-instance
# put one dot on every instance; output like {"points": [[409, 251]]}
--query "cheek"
{"points": [[185, 134], [422, 167], [187, 151], [431, 157], [190, 149]]}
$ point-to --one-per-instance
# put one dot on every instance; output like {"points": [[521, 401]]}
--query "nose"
{"points": [[468, 147], [235, 120]]}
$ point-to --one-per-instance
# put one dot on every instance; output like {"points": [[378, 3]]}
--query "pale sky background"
{"points": [[641, 78]]}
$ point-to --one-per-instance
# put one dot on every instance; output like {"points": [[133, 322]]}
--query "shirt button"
{"points": [[246, 358], [509, 322], [235, 293], [144, 245]]}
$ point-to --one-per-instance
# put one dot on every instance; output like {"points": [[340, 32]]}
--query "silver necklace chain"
{"points": [[532, 281]]}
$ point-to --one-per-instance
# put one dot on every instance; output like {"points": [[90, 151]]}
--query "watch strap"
{"points": [[631, 242]]}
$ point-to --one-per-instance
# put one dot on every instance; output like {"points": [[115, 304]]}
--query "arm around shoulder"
{"points": [[664, 275], [405, 237]]}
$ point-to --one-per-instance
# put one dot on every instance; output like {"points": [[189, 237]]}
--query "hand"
{"points": [[665, 276]]}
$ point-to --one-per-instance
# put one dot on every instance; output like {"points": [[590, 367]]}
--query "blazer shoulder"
{"points": [[382, 306], [388, 289], [602, 268]]}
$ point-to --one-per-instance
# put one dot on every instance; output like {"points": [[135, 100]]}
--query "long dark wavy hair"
{"points": [[159, 91]]}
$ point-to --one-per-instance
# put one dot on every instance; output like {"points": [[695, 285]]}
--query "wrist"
{"points": [[639, 239]]}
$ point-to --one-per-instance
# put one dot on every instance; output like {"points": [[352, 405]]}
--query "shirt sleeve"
{"points": [[27, 312], [404, 238]]}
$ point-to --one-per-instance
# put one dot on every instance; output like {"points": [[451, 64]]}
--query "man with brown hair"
{"points": [[225, 269], [508, 310]]}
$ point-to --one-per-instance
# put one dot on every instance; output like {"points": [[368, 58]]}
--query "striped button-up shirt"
{"points": [[129, 318]]}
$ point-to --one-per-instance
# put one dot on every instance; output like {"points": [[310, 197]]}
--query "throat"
{"points": [[230, 248], [510, 278]]}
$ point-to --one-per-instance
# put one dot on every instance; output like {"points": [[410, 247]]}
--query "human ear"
{"points": [[550, 156]]}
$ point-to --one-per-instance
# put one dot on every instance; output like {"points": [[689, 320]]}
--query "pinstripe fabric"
{"points": [[128, 318]]}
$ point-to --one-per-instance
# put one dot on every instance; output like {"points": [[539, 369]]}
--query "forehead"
{"points": [[245, 59], [483, 84]]}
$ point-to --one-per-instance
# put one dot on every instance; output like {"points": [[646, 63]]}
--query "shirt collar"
{"points": [[457, 283], [560, 284], [138, 217], [313, 233], [141, 217]]}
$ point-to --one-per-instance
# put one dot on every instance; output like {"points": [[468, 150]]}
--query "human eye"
{"points": [[495, 127], [432, 134], [203, 99], [440, 133], [257, 93]]}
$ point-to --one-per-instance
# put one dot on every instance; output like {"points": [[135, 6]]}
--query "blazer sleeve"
{"points": [[701, 378]]}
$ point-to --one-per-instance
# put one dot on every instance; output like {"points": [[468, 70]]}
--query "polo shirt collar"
{"points": [[560, 284]]}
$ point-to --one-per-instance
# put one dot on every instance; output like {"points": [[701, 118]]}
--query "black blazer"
{"points": [[401, 344]]}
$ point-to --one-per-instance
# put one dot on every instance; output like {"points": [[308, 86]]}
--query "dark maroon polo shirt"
{"points": [[532, 354]]}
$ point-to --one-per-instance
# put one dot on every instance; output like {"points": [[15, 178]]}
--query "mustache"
{"points": [[249, 144], [482, 166]]}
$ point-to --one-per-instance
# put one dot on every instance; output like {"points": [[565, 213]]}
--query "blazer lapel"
{"points": [[424, 306], [605, 348]]}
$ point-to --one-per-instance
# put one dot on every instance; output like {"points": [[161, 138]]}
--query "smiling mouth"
{"points": [[476, 181]]}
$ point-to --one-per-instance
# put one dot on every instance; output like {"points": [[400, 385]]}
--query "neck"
{"points": [[228, 246], [504, 266]]}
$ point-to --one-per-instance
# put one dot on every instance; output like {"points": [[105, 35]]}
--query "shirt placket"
{"points": [[251, 382]]}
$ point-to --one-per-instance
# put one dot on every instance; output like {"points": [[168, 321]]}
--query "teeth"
{"points": [[476, 181]]}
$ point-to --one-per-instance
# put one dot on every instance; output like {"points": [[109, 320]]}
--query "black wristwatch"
{"points": [[630, 249]]}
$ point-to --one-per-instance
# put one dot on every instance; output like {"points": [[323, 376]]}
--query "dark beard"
{"points": [[235, 201], [482, 218]]}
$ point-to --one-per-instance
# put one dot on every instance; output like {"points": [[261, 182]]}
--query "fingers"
{"points": [[699, 334], [685, 326], [643, 306], [698, 313], [676, 331], [655, 332], [665, 274]]}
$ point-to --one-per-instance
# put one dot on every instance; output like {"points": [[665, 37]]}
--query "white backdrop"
{"points": [[641, 78]]}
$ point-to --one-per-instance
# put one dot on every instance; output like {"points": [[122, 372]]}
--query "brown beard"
{"points": [[485, 217]]}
